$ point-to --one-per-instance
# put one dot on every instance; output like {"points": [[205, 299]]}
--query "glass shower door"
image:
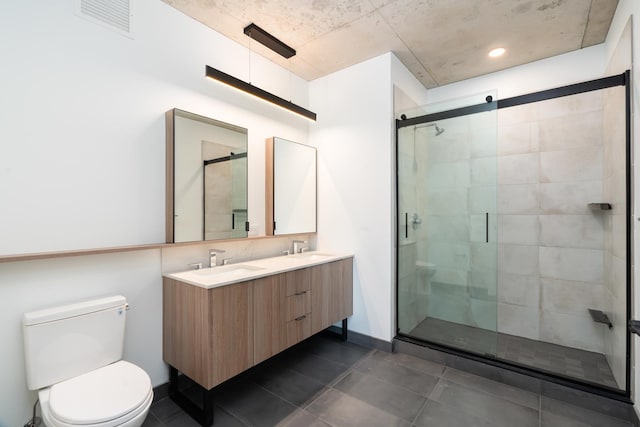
{"points": [[447, 236]]}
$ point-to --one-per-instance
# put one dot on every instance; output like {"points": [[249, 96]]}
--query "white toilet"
{"points": [[72, 356]]}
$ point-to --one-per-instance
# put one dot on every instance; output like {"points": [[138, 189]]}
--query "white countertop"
{"points": [[209, 278]]}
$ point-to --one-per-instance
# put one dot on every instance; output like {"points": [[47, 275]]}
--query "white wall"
{"points": [[355, 179], [82, 162], [561, 70], [82, 114]]}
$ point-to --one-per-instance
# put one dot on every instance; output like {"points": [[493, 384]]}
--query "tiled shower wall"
{"points": [[551, 258]]}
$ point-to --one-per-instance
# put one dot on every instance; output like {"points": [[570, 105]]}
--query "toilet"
{"points": [[73, 358]]}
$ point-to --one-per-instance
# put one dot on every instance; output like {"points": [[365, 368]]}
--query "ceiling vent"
{"points": [[116, 14]]}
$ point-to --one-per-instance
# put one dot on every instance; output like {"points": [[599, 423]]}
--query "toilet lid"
{"points": [[101, 395]]}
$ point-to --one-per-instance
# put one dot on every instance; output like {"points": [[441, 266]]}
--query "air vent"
{"points": [[115, 13]]}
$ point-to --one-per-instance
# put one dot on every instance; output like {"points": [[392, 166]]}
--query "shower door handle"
{"points": [[486, 227], [406, 225]]}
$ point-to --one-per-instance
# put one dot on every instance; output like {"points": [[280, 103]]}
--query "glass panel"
{"points": [[551, 179], [447, 253]]}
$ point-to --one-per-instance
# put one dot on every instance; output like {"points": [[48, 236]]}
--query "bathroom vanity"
{"points": [[221, 321]]}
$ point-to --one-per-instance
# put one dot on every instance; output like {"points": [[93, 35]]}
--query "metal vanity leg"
{"points": [[344, 329], [203, 416]]}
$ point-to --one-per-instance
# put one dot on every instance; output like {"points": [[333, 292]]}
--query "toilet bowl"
{"points": [[119, 394], [73, 358]]}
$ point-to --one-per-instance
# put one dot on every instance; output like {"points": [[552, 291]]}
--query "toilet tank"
{"points": [[67, 341]]}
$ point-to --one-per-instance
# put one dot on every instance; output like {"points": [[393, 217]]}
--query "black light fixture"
{"points": [[277, 46]]}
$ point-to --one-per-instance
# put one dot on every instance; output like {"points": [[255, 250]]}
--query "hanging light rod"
{"points": [[261, 36], [236, 83]]}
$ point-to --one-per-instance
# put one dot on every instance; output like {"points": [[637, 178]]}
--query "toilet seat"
{"points": [[109, 396]]}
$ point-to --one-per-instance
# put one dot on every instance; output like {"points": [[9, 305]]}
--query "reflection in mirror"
{"points": [[206, 178], [290, 187]]}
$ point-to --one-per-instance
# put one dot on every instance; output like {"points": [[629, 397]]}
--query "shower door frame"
{"points": [[623, 79]]}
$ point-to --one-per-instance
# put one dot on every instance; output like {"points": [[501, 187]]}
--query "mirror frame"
{"points": [[170, 167], [270, 188]]}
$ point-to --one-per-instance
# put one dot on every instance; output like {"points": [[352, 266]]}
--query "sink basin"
{"points": [[227, 270], [217, 274], [313, 256]]}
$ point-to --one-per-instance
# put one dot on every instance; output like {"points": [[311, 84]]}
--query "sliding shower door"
{"points": [[446, 230]]}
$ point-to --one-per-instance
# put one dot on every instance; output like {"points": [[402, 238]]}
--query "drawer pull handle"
{"points": [[300, 318], [300, 293]]}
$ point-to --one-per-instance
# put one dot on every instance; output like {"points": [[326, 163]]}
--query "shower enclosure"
{"points": [[513, 231]]}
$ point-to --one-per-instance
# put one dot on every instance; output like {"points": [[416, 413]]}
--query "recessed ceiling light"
{"points": [[499, 51]]}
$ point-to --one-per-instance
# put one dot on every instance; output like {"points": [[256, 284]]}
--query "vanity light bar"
{"points": [[243, 86]]}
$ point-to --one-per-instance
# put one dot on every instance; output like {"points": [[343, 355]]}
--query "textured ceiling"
{"points": [[439, 41]]}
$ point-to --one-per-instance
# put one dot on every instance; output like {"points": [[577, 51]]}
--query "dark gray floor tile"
{"points": [[252, 404], [290, 385], [498, 411], [557, 413], [436, 414], [164, 409], [586, 400], [495, 388], [380, 367], [388, 397], [181, 420], [422, 365], [333, 349], [302, 418], [322, 370], [151, 421], [342, 410]]}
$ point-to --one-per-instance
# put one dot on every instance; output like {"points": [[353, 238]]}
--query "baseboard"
{"points": [[364, 340]]}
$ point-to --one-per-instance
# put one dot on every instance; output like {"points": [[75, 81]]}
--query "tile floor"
{"points": [[558, 359], [327, 382]]}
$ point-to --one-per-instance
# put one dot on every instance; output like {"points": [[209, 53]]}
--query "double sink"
{"points": [[225, 275]]}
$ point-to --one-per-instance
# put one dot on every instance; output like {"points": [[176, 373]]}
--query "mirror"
{"points": [[206, 178], [290, 187]]}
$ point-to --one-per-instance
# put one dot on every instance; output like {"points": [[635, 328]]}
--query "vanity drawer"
{"points": [[298, 329], [298, 281], [297, 305]]}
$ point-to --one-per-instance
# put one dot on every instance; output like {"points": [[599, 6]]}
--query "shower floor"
{"points": [[557, 359]]}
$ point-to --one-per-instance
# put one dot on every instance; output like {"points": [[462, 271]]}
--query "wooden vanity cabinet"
{"points": [[211, 335], [207, 333]]}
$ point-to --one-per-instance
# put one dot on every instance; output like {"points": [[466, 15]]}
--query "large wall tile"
{"points": [[484, 142], [575, 131], [447, 175], [518, 169], [569, 198], [447, 148], [447, 202], [518, 229], [583, 265], [517, 138], [577, 331], [450, 255], [572, 231], [517, 259], [569, 105], [484, 171], [518, 199], [518, 320], [483, 199], [449, 228], [567, 296], [519, 114], [584, 164], [518, 289]]}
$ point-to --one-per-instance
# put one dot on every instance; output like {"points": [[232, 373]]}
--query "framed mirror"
{"points": [[206, 178], [290, 189]]}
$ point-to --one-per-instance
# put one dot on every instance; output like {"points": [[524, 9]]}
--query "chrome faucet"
{"points": [[213, 256], [297, 249]]}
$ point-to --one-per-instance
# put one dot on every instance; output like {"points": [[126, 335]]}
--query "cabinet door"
{"points": [[272, 309], [231, 339], [331, 293]]}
